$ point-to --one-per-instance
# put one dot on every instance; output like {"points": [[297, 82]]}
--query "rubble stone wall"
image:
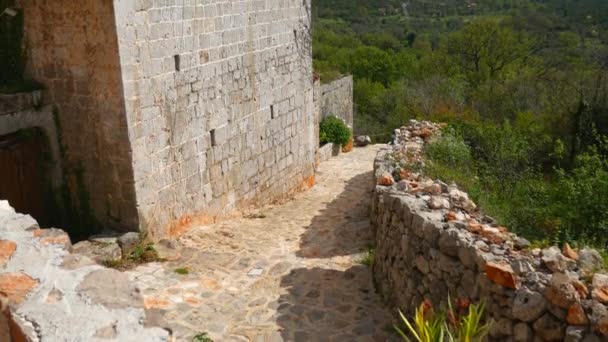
{"points": [[337, 99], [50, 294], [432, 241], [219, 98]]}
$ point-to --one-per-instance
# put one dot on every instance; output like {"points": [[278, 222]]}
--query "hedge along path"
{"points": [[291, 272]]}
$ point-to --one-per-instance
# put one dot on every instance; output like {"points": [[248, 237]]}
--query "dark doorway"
{"points": [[24, 174]]}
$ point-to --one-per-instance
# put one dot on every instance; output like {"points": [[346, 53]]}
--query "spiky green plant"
{"points": [[453, 326]]}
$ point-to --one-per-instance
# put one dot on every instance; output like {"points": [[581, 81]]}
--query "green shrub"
{"points": [[450, 150], [334, 130]]}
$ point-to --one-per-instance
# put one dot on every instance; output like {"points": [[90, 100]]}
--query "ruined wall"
{"points": [[219, 104], [337, 99], [432, 241], [72, 50]]}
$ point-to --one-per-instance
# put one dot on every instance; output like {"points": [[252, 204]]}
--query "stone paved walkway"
{"points": [[292, 274]]}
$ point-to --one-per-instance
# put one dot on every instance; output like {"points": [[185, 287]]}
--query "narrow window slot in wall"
{"points": [[295, 34], [272, 116], [213, 141], [176, 59]]}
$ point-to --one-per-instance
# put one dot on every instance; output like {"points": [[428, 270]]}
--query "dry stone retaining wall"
{"points": [[432, 241]]}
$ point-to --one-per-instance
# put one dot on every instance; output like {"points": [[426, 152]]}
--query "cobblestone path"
{"points": [[292, 273]]}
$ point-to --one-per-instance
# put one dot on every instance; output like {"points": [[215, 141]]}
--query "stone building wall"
{"points": [[432, 242], [219, 105], [337, 99], [72, 50], [24, 111]]}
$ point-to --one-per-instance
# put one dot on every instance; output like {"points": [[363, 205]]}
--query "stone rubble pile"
{"points": [[433, 242]]}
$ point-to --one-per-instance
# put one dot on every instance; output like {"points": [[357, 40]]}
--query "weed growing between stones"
{"points": [[256, 216], [182, 270], [368, 258], [141, 254], [202, 337], [465, 324]]}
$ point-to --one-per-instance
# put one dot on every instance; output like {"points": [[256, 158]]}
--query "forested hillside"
{"points": [[523, 84]]}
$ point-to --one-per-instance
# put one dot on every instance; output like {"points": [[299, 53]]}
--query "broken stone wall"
{"points": [[72, 50], [53, 295], [432, 242], [219, 105], [337, 99]]}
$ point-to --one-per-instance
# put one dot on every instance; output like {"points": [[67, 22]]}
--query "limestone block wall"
{"points": [[432, 241], [337, 99], [219, 104], [72, 50]]}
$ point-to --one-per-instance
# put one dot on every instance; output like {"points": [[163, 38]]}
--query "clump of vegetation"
{"points": [[334, 130], [182, 270], [141, 254], [202, 337], [462, 325], [368, 258], [496, 165]]}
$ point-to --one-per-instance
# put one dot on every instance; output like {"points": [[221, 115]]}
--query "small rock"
{"points": [[576, 315], [568, 252], [521, 243], [522, 267], [109, 237], [363, 140], [599, 318], [522, 332], [600, 288], [433, 189], [386, 179], [528, 305], [501, 274], [502, 327], [421, 264], [438, 202], [494, 235], [555, 260], [575, 334], [549, 329], [561, 291], [402, 186], [99, 252], [128, 242], [589, 260]]}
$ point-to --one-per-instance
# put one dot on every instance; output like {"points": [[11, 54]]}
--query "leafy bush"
{"points": [[450, 150], [334, 130], [462, 325]]}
